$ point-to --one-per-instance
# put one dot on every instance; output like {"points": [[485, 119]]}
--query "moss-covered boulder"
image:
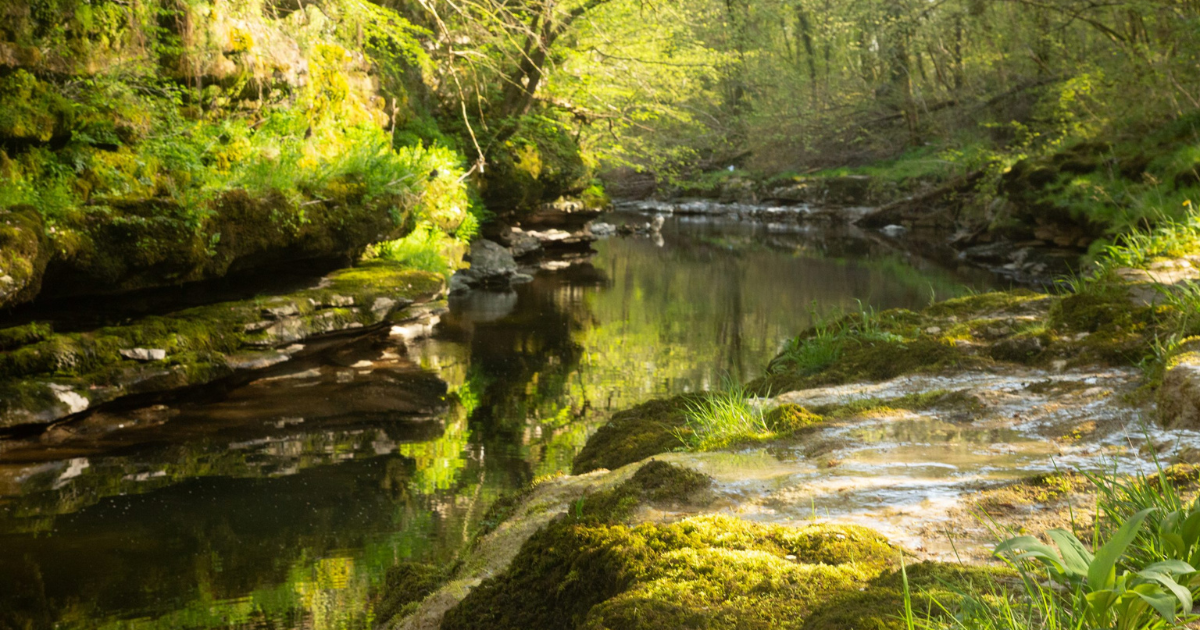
{"points": [[705, 572], [538, 163], [635, 434], [24, 252], [145, 244], [46, 376]]}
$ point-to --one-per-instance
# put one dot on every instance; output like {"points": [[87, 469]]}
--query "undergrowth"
{"points": [[1137, 573]]}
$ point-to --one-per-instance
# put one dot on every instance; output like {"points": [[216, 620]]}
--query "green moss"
{"points": [[1039, 489], [976, 305], [539, 162], [17, 398], [880, 604], [655, 482], [29, 108], [918, 401], [789, 418], [1089, 311], [875, 361], [198, 340], [635, 434], [711, 572], [24, 252], [17, 336], [405, 585]]}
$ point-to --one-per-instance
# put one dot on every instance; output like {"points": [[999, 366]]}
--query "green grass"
{"points": [[826, 341], [723, 418]]}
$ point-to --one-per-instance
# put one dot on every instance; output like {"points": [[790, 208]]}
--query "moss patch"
{"points": [[711, 572], [985, 303], [635, 434], [789, 418], [655, 482], [880, 604], [17, 336], [875, 361], [918, 401], [1036, 490], [24, 252], [405, 585]]}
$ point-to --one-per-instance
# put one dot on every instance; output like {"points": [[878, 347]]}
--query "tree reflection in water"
{"points": [[282, 502]]}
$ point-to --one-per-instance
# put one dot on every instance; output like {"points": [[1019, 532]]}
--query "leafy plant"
{"points": [[1151, 597]]}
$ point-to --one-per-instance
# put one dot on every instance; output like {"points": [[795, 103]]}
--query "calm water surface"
{"points": [[281, 502]]}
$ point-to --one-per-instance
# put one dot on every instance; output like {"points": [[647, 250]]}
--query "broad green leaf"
{"points": [[1183, 595], [1033, 549], [1173, 543], [1102, 571], [1191, 529], [1169, 567], [1100, 601], [1160, 601], [1076, 558]]}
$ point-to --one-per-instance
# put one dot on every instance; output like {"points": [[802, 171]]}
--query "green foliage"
{"points": [[1146, 598], [722, 418], [424, 248], [826, 342], [137, 170]]}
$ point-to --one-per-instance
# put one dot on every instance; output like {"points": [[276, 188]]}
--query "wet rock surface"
{"points": [[492, 266], [1179, 396]]}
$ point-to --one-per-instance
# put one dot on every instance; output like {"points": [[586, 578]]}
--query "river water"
{"points": [[281, 501]]}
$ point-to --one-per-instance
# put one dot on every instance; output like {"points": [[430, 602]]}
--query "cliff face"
{"points": [[158, 142]]}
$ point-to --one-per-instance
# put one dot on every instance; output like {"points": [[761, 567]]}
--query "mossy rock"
{"points": [[635, 434], [880, 604], [874, 361], [789, 418], [405, 585], [710, 572], [984, 303], [200, 344], [1088, 312], [1041, 489], [154, 243], [24, 335], [24, 252], [538, 163], [655, 482]]}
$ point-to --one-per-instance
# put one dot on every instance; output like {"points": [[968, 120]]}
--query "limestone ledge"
{"points": [[46, 376]]}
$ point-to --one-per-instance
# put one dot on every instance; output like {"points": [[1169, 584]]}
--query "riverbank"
{"points": [[939, 429], [290, 491]]}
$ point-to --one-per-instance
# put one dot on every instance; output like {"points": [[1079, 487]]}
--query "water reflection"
{"points": [[282, 501]]}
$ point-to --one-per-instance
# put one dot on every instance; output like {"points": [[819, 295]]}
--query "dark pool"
{"points": [[281, 502]]}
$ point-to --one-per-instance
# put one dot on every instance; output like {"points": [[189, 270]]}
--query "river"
{"points": [[281, 501]]}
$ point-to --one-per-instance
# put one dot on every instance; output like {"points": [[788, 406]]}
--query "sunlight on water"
{"points": [[284, 500]]}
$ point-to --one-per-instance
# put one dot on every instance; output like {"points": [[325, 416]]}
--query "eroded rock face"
{"points": [[1179, 397]]}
